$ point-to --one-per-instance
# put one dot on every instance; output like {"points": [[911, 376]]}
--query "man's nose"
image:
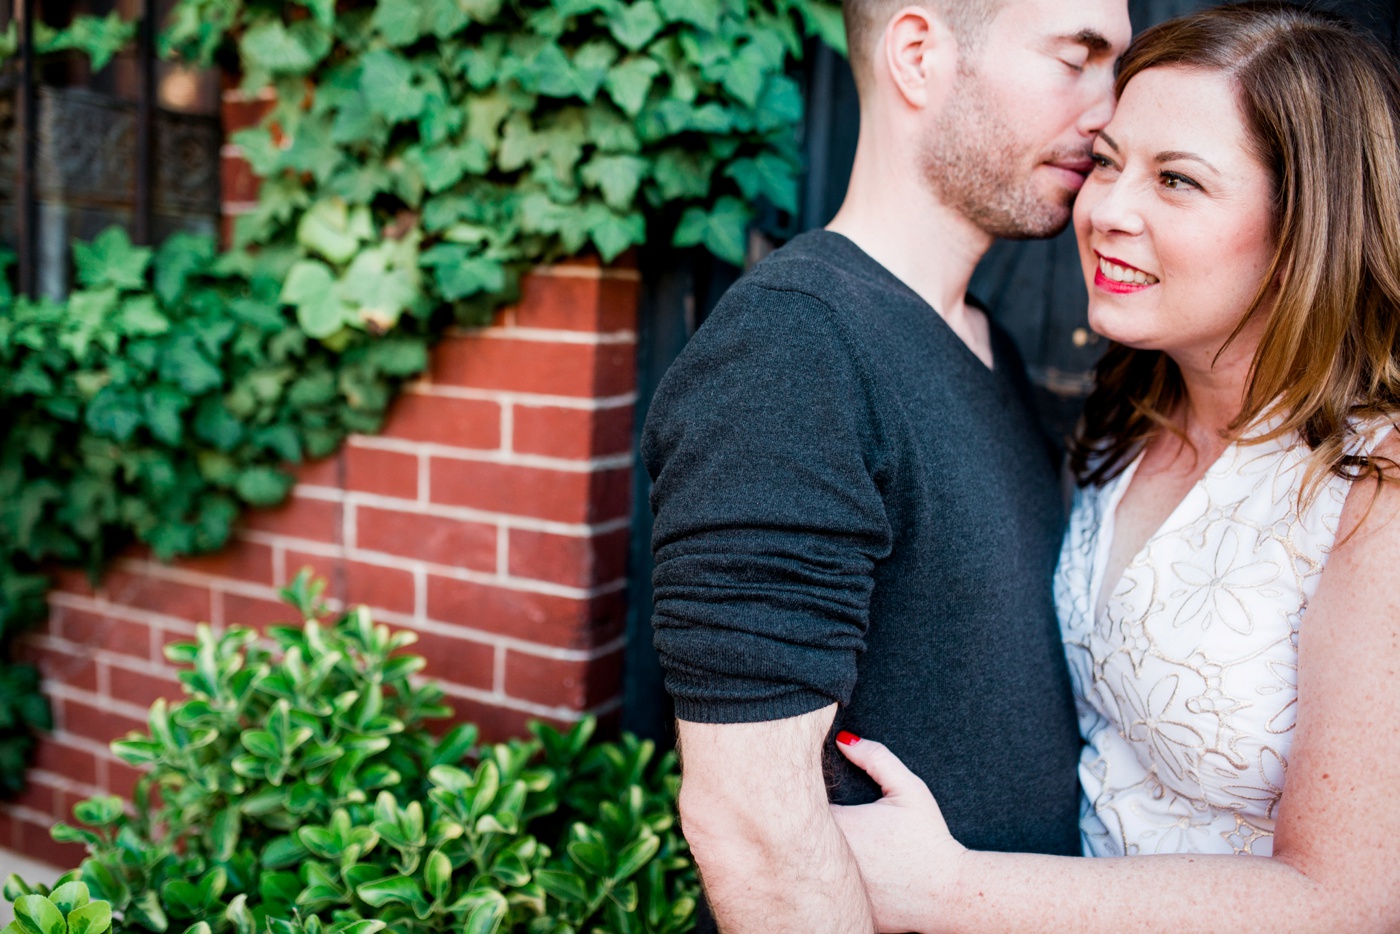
{"points": [[1100, 109]]}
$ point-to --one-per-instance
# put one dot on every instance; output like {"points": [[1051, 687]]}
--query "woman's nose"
{"points": [[1116, 209]]}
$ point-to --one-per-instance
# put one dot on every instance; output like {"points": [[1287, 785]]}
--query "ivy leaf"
{"points": [[617, 177], [766, 175], [706, 14], [459, 273], [269, 47], [111, 259], [263, 486], [591, 63], [780, 104], [113, 414], [263, 155], [635, 24], [140, 316], [310, 287], [387, 81], [613, 233], [313, 149], [180, 257], [824, 21], [380, 292], [332, 229], [399, 23], [682, 174], [482, 11], [443, 18], [323, 10], [214, 425], [185, 365], [484, 115], [548, 72], [723, 231], [630, 82], [163, 408]]}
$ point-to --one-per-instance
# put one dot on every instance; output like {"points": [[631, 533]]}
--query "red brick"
{"points": [[134, 589], [38, 795], [8, 839], [497, 724], [122, 778], [241, 114], [228, 221], [559, 495], [35, 841], [435, 539], [578, 561], [328, 471], [385, 473], [236, 179], [141, 688], [587, 302], [73, 581], [561, 622], [457, 661], [578, 685], [95, 631], [75, 671], [361, 582], [238, 560], [542, 367], [76, 765], [96, 723], [576, 433], [380, 588], [256, 612], [315, 520], [460, 423]]}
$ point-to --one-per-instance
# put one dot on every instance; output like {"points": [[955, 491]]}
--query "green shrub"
{"points": [[296, 788]]}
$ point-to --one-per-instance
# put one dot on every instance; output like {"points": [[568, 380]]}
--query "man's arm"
{"points": [[754, 808]]}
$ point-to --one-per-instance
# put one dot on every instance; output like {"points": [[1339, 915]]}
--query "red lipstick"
{"points": [[1113, 286]]}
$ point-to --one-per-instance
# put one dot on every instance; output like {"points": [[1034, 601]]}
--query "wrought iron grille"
{"points": [[135, 144]]}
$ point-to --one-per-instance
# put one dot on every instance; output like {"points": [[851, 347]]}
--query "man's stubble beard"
{"points": [[977, 165]]}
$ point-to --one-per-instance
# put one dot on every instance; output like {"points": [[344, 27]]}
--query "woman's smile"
{"points": [[1116, 276]]}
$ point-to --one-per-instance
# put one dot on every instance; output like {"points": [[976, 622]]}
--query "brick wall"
{"points": [[490, 517]]}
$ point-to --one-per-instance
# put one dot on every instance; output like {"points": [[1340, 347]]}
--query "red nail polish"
{"points": [[847, 739]]}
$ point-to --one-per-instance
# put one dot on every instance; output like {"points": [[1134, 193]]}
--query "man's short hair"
{"points": [[866, 21]]}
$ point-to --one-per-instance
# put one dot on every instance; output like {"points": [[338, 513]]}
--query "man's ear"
{"points": [[919, 56]]}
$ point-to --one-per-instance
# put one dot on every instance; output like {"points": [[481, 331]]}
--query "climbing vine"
{"points": [[417, 159]]}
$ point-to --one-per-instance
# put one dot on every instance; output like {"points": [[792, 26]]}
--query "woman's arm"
{"points": [[1334, 867]]}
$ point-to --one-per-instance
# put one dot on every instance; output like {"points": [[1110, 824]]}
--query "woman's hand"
{"points": [[909, 861]]}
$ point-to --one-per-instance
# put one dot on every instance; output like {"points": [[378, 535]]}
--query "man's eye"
{"points": [[1072, 66]]}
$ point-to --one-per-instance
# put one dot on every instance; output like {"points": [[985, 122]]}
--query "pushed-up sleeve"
{"points": [[763, 449]]}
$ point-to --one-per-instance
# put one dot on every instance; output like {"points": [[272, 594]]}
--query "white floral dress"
{"points": [[1186, 685]]}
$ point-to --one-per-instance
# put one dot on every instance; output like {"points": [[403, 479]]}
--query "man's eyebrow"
{"points": [[1091, 39], [1173, 155]]}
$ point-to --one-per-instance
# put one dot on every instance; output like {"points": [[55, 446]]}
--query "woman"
{"points": [[1227, 586]]}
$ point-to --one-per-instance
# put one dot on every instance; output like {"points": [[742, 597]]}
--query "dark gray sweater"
{"points": [[851, 508]]}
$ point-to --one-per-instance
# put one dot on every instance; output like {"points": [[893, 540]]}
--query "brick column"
{"points": [[491, 517]]}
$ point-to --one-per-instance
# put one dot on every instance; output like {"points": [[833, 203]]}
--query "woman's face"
{"points": [[1175, 222]]}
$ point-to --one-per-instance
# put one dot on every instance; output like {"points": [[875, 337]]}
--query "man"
{"points": [[856, 518]]}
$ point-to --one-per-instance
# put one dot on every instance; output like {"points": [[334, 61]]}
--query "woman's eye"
{"points": [[1175, 182], [1100, 162], [1072, 66]]}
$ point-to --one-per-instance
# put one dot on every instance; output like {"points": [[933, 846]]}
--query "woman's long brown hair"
{"points": [[1322, 106]]}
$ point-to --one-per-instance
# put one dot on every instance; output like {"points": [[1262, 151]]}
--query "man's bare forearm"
{"points": [[754, 808]]}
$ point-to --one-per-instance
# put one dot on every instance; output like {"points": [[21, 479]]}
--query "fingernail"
{"points": [[847, 739]]}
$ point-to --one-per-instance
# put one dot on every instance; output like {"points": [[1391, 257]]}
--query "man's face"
{"points": [[1011, 146]]}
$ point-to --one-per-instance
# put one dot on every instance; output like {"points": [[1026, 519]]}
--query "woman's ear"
{"points": [[919, 56]]}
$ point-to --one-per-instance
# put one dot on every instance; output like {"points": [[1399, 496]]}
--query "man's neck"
{"points": [[893, 215]]}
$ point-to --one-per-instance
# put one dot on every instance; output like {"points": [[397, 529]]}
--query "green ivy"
{"points": [[420, 156], [295, 789]]}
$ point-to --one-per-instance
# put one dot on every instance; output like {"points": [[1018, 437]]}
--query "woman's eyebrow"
{"points": [[1173, 155]]}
